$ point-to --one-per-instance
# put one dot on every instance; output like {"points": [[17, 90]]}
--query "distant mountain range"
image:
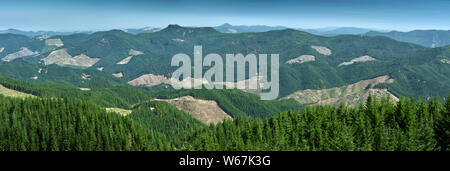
{"points": [[39, 33], [307, 61], [142, 30], [337, 31], [228, 28], [329, 31], [427, 38], [109, 90]]}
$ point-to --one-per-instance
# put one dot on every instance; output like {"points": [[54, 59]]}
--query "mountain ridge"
{"points": [[427, 38], [111, 47]]}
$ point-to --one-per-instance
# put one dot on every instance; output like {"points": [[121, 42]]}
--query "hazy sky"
{"points": [[69, 15]]}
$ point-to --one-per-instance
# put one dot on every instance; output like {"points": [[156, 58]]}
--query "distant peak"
{"points": [[174, 26], [148, 28], [227, 25], [114, 31], [11, 29], [110, 32], [177, 28]]}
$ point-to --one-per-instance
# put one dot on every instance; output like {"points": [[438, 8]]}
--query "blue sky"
{"points": [[69, 15]]}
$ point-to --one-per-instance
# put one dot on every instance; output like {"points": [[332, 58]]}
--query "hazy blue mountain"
{"points": [[142, 30], [39, 33], [228, 28], [427, 38], [334, 31], [329, 31]]}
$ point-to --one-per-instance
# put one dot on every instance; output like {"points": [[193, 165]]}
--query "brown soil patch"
{"points": [[207, 111]]}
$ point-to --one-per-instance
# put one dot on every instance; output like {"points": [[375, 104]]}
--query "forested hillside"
{"points": [[257, 125], [165, 118], [123, 57], [376, 126], [74, 81], [122, 96], [35, 124], [64, 125], [235, 102]]}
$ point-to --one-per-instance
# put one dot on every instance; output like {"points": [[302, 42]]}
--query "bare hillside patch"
{"points": [[123, 112], [322, 50], [178, 40], [118, 75], [358, 59], [207, 111], [125, 61], [149, 80], [135, 52], [13, 93], [61, 57], [54, 42], [132, 53], [302, 59], [351, 95], [445, 61], [19, 54]]}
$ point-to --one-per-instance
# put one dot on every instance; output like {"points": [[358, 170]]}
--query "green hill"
{"points": [[376, 126], [38, 125], [407, 63], [35, 124]]}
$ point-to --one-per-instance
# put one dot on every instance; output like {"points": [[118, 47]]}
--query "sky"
{"points": [[82, 15]]}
